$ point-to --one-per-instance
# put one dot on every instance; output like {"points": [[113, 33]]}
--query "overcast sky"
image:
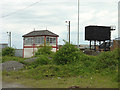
{"points": [[22, 16]]}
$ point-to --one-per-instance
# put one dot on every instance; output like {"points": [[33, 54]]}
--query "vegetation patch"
{"points": [[67, 54], [69, 62], [12, 58], [8, 51]]}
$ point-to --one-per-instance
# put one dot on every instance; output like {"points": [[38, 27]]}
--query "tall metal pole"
{"points": [[69, 32], [68, 29], [78, 24], [9, 34]]}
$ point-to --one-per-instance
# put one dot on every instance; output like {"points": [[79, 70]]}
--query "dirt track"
{"points": [[12, 85]]}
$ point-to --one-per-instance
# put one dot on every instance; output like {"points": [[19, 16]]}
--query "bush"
{"points": [[8, 51], [44, 50], [67, 54], [108, 60], [42, 60], [116, 53]]}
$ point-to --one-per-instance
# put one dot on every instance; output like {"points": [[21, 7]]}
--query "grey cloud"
{"points": [[54, 14], [29, 16]]}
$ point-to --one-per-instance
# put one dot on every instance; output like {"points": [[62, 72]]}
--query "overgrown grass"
{"points": [[77, 71], [93, 81], [12, 58]]}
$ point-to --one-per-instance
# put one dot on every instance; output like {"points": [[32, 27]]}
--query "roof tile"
{"points": [[40, 33]]}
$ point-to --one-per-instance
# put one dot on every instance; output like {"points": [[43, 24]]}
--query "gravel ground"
{"points": [[12, 66]]}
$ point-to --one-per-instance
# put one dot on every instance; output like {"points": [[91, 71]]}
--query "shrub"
{"points": [[44, 50], [42, 60], [116, 53], [67, 54], [8, 51], [107, 60]]}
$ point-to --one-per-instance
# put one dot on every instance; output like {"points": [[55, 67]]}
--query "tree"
{"points": [[8, 51], [67, 53], [44, 50]]}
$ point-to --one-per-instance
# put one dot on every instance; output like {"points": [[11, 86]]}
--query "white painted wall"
{"points": [[28, 52], [53, 49]]}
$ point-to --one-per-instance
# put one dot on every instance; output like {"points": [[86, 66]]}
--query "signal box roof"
{"points": [[40, 33]]}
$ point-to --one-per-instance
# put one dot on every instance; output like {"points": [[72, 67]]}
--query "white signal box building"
{"points": [[34, 39]]}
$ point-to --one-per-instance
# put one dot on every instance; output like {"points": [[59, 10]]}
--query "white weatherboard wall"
{"points": [[53, 49], [28, 52]]}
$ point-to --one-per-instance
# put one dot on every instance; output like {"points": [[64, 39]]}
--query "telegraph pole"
{"points": [[78, 24], [69, 29], [9, 34]]}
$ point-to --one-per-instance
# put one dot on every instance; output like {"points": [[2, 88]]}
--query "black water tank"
{"points": [[99, 33]]}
